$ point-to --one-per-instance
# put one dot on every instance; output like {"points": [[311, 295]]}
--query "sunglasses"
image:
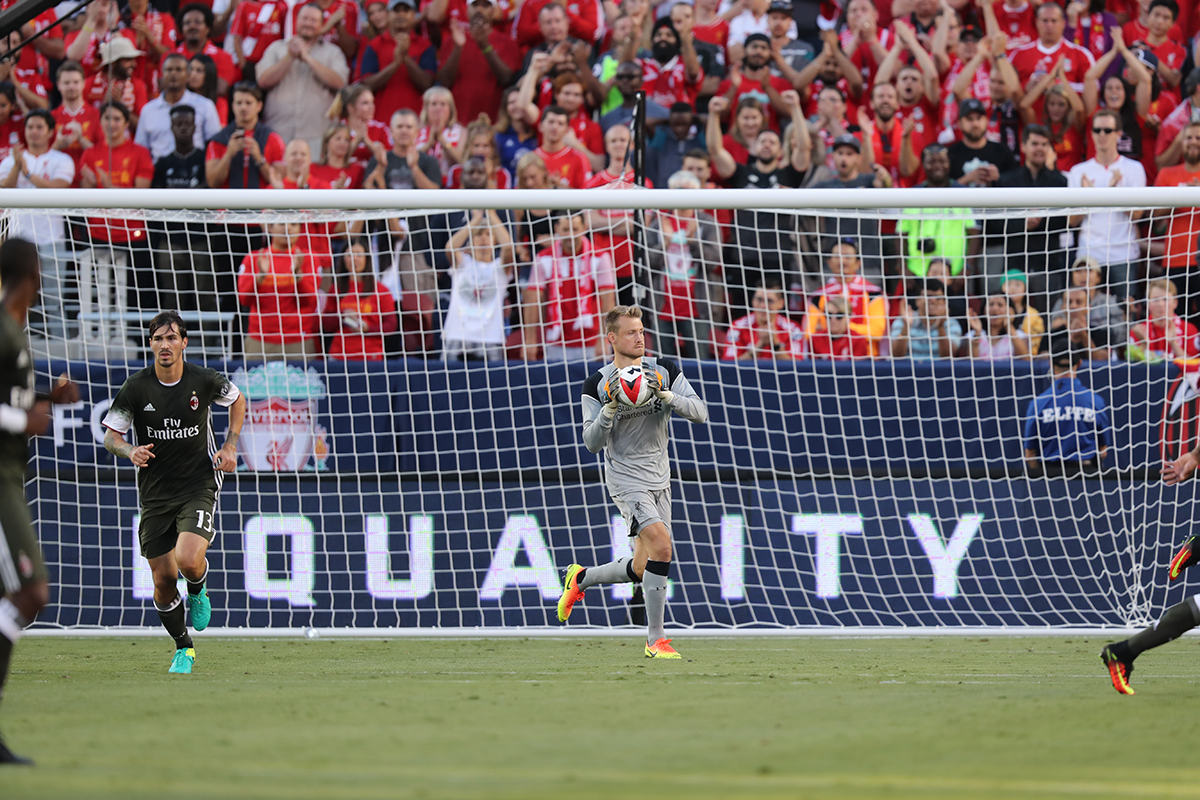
{"points": [[1104, 130]]}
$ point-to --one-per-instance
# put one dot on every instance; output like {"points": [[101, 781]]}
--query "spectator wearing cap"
{"points": [[1106, 319], [671, 142], [196, 24], [302, 75], [115, 79], [407, 63], [38, 166], [794, 54], [151, 31], [975, 160], [1026, 318], [628, 84], [753, 19], [154, 130], [576, 18], [1109, 236], [1128, 92], [1030, 244], [754, 79], [1067, 429], [1035, 59], [948, 234], [477, 62], [860, 228]]}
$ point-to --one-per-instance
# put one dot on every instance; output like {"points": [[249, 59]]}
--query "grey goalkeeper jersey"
{"points": [[635, 439]]}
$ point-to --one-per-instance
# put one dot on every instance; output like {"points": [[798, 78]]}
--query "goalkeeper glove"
{"points": [[608, 399], [654, 379]]}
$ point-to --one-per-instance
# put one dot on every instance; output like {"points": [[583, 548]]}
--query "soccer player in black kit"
{"points": [[24, 583], [168, 407]]}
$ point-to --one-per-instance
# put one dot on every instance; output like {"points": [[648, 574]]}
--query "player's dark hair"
{"points": [[165, 319], [18, 262], [10, 91], [1169, 5], [42, 114]]}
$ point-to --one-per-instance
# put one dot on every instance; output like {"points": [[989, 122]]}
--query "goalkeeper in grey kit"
{"points": [[637, 472]]}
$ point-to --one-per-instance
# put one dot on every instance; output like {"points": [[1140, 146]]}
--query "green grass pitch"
{"points": [[818, 717]]}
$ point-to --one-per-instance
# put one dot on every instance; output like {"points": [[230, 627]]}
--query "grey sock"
{"points": [[1175, 621], [654, 585], [618, 571]]}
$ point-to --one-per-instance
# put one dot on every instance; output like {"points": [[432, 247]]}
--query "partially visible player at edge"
{"points": [[23, 576], [180, 469], [1176, 620], [637, 472]]}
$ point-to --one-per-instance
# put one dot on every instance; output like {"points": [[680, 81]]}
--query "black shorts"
{"points": [[161, 524]]}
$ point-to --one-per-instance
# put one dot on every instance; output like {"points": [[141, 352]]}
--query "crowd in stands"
{"points": [[441, 95]]}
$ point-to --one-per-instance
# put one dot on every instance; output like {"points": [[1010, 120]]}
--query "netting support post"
{"points": [[643, 289]]}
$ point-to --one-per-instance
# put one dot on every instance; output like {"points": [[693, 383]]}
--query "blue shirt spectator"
{"points": [[924, 330], [1068, 423]]}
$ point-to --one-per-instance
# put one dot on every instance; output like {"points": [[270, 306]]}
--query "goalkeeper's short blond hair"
{"points": [[612, 320]]}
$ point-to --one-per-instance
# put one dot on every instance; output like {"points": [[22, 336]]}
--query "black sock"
{"points": [[1176, 621], [196, 587], [174, 620], [637, 606], [13, 622]]}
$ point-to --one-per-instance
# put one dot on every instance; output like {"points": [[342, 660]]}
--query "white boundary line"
{"points": [[584, 632]]}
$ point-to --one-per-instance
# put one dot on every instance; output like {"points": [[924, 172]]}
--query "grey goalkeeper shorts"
{"points": [[644, 508]]}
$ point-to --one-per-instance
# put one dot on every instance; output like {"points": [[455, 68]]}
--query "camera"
{"points": [[928, 246]]}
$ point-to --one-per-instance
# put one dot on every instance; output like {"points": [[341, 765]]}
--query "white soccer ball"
{"points": [[632, 387]]}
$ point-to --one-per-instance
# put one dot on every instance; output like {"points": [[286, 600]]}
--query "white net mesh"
{"points": [[412, 455]]}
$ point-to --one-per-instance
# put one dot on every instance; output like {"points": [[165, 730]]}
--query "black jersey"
{"points": [[177, 420], [16, 392]]}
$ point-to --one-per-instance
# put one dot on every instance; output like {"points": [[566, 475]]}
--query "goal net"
{"points": [[414, 362]]}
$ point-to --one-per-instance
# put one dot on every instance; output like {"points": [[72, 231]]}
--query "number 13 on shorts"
{"points": [[203, 517]]}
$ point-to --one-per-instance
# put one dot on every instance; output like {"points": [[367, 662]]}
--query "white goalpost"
{"points": [[422, 476]]}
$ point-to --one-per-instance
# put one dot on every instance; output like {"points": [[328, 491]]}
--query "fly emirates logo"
{"points": [[173, 429]]}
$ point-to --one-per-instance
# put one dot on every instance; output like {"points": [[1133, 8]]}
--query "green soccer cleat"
{"points": [[183, 660], [571, 595], [661, 649], [1185, 558], [200, 609], [1118, 670]]}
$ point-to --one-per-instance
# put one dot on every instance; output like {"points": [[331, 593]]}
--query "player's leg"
{"points": [[579, 579], [196, 526], [23, 581], [158, 536], [1119, 656], [652, 557]]}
